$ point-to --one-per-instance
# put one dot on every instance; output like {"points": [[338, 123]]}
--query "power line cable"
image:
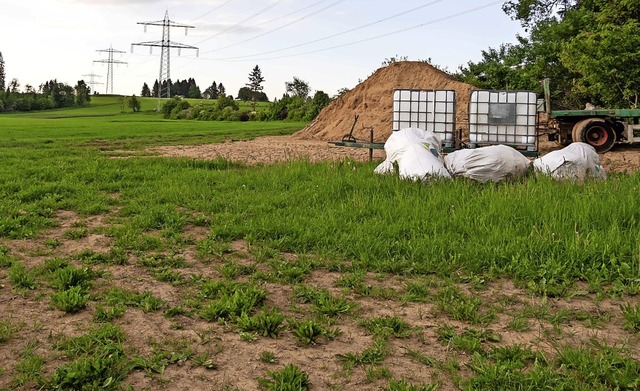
{"points": [[342, 32], [452, 16], [213, 10], [265, 9], [283, 26]]}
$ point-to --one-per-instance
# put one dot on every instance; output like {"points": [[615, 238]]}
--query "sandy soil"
{"points": [[269, 150]]}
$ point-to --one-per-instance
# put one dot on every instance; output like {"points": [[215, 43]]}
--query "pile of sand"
{"points": [[372, 100]]}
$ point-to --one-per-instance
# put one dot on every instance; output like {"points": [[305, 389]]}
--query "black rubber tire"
{"points": [[595, 132]]}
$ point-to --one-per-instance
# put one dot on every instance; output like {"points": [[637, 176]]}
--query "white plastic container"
{"points": [[503, 117], [429, 110]]}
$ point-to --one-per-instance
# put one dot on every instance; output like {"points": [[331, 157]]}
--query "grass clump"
{"points": [[387, 326], [323, 301], [267, 323], [71, 300], [371, 356], [289, 378], [21, 277], [308, 332], [404, 385], [230, 300], [631, 316]]}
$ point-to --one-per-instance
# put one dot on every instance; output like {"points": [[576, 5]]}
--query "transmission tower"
{"points": [[92, 82], [165, 51], [110, 61]]}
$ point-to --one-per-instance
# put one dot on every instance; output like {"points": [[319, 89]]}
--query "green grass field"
{"points": [[404, 286]]}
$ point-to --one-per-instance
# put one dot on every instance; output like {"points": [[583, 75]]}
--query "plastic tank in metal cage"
{"points": [[433, 110], [503, 117]]}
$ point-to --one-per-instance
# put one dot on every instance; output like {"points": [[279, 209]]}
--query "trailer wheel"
{"points": [[595, 132]]}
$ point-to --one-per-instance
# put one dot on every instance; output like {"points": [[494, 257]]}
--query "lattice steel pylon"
{"points": [[92, 81], [165, 56], [110, 61]]}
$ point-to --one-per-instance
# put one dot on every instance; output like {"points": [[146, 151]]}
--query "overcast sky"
{"points": [[331, 44]]}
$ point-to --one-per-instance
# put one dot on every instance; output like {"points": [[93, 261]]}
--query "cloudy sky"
{"points": [[331, 44]]}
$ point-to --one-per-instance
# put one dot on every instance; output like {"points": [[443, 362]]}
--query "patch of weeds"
{"points": [[290, 378], [290, 272], [99, 361], [52, 265], [461, 306], [176, 311], [387, 326], [76, 233], [370, 356], [210, 247], [52, 243], [268, 357], [231, 300], [267, 323], [519, 323], [145, 300], [7, 329], [70, 276], [231, 269], [248, 336], [28, 370], [6, 260], [419, 357], [204, 360], [164, 353], [323, 301], [418, 292], [631, 316], [71, 300], [161, 261], [107, 314], [404, 385], [170, 276], [537, 311], [308, 332], [593, 320], [115, 256], [470, 340], [21, 277], [376, 372]]}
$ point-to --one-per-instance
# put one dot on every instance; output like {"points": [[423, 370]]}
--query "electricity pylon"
{"points": [[110, 61], [165, 52], [92, 82]]}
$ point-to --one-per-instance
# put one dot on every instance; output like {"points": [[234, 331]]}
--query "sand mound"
{"points": [[372, 100]]}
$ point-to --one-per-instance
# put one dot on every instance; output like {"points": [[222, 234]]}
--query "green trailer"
{"points": [[600, 128]]}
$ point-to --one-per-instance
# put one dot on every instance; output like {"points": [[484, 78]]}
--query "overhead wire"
{"points": [[282, 26], [455, 15], [265, 9], [343, 32]]}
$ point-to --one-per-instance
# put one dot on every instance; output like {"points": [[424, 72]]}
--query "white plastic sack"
{"points": [[417, 154], [576, 162], [493, 163]]}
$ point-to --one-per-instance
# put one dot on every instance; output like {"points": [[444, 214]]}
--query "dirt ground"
{"points": [[269, 150], [236, 364]]}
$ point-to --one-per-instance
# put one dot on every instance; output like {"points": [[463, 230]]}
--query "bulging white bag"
{"points": [[493, 163], [417, 154], [576, 162]]}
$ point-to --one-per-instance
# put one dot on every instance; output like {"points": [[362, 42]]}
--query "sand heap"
{"points": [[372, 100]]}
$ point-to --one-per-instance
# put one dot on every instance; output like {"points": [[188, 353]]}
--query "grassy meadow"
{"points": [[389, 284]]}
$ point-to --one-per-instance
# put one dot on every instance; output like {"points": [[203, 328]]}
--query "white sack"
{"points": [[576, 162], [417, 154], [493, 163]]}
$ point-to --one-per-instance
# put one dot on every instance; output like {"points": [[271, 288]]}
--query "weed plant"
{"points": [[289, 378]]}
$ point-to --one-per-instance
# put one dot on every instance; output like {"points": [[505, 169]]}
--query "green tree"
{"points": [[83, 93], [298, 87], [134, 103], [211, 92], [2, 73], [589, 49], [146, 92], [255, 84]]}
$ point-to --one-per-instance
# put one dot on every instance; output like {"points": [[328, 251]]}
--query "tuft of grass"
{"points": [[71, 300], [268, 357], [461, 306], [631, 314], [404, 385], [21, 277], [267, 323], [372, 355], [308, 332], [289, 378], [69, 276], [233, 300], [7, 329], [76, 233], [470, 340], [107, 314], [387, 326], [323, 301]]}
